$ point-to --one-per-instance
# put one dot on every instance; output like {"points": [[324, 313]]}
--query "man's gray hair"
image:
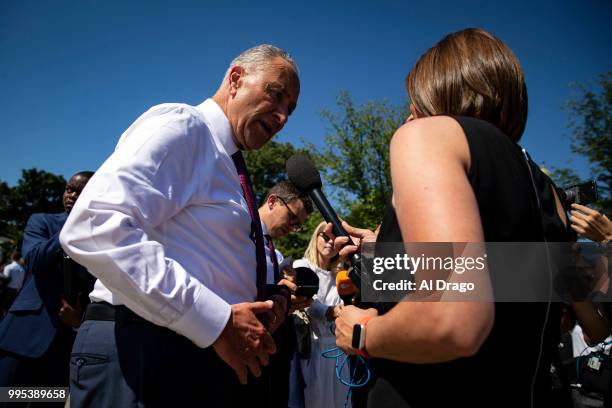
{"points": [[258, 57]]}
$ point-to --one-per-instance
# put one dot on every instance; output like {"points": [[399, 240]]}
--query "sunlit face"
{"points": [[285, 217], [325, 246], [73, 189], [261, 102]]}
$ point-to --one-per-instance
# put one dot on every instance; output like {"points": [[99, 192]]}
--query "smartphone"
{"points": [[307, 282]]}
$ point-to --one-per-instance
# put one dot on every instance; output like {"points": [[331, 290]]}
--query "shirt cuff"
{"points": [[205, 320], [317, 310]]}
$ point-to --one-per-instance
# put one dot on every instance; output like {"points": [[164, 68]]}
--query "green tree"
{"points": [[267, 167], [590, 120], [356, 156], [36, 191]]}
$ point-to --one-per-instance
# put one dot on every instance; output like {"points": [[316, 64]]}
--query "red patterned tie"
{"points": [[273, 258], [249, 195]]}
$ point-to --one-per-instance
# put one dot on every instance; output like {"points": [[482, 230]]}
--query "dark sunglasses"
{"points": [[293, 219], [324, 236]]}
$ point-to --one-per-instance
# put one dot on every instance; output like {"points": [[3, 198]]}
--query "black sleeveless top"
{"points": [[502, 371]]}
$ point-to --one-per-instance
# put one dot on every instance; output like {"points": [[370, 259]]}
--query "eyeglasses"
{"points": [[293, 219], [324, 236]]}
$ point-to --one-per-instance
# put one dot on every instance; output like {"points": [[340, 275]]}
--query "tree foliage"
{"points": [[267, 167], [355, 160], [36, 191], [590, 120]]}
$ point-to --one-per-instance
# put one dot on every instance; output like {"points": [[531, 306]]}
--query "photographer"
{"points": [[593, 317]]}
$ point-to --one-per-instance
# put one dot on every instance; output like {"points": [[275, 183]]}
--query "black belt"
{"points": [[107, 312]]}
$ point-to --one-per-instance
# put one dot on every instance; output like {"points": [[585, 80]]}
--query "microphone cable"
{"points": [[341, 361]]}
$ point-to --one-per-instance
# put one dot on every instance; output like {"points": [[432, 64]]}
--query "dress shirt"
{"points": [[164, 226], [15, 273], [269, 264]]}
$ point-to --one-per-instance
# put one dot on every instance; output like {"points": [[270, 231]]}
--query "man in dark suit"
{"points": [[36, 335]]}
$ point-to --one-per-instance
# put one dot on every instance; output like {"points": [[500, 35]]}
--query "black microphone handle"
{"points": [[329, 215]]}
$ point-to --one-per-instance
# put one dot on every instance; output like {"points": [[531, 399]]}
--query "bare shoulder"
{"points": [[436, 136]]}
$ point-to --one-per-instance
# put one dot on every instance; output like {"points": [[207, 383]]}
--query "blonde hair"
{"points": [[471, 73], [312, 252]]}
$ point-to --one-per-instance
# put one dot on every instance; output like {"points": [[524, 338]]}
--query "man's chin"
{"points": [[256, 141]]}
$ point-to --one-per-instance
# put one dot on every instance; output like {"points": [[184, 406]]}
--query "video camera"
{"points": [[583, 193]]}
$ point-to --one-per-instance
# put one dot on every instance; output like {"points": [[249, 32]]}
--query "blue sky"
{"points": [[75, 74]]}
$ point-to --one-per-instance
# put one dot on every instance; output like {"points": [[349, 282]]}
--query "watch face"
{"points": [[355, 342]]}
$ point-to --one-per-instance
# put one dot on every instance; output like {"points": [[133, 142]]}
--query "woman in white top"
{"points": [[322, 387]]}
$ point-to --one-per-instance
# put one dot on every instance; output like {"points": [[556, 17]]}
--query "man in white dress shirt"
{"points": [[284, 210], [171, 232], [14, 272]]}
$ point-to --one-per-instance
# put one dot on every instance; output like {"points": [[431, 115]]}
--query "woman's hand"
{"points": [[591, 224], [358, 236], [348, 317]]}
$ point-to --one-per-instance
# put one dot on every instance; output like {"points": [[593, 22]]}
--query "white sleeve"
{"points": [[318, 309], [150, 177]]}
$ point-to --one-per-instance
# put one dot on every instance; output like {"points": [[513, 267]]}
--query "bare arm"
{"points": [[429, 164]]}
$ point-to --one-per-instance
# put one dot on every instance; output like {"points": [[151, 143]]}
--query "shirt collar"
{"points": [[264, 229], [221, 129]]}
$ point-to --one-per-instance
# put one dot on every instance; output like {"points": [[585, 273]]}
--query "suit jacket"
{"points": [[33, 319]]}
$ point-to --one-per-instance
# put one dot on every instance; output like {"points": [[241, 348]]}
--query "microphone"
{"points": [[345, 287], [305, 176]]}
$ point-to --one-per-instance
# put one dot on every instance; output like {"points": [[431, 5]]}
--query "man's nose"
{"points": [[282, 115]]}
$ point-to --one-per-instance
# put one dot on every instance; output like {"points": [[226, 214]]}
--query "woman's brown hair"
{"points": [[471, 73]]}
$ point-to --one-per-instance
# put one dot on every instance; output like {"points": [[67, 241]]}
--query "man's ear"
{"points": [[271, 201], [235, 78]]}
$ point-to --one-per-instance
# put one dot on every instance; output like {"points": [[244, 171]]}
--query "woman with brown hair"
{"points": [[459, 176]]}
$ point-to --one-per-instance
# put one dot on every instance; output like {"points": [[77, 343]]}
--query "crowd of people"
{"points": [[161, 285]]}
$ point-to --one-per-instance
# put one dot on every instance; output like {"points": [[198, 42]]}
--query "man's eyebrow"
{"points": [[284, 91]]}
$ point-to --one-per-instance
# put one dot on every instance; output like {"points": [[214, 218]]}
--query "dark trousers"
{"points": [[130, 363], [49, 370], [286, 380]]}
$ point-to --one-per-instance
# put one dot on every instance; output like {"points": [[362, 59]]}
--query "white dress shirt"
{"points": [[15, 273], [164, 226]]}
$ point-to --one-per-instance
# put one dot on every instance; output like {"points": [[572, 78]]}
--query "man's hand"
{"points": [[71, 315], [348, 317], [245, 342], [273, 318]]}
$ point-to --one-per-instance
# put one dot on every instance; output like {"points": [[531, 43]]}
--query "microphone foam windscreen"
{"points": [[303, 173], [344, 284]]}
